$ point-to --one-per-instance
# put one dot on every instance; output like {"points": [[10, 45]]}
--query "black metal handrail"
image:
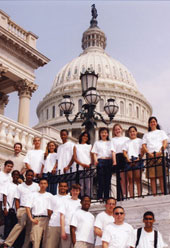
{"points": [[80, 176]]}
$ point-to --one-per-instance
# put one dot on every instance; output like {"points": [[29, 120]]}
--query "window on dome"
{"points": [[114, 72], [101, 105], [47, 114], [99, 68], [130, 109], [69, 73], [93, 36], [121, 75], [93, 43], [137, 112], [61, 112], [75, 70], [80, 104], [91, 67], [53, 112], [88, 43], [121, 107], [143, 114]]}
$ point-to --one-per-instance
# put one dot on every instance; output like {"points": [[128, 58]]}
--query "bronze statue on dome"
{"points": [[94, 12]]}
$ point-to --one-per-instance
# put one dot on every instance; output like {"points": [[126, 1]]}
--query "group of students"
{"points": [[64, 221]]}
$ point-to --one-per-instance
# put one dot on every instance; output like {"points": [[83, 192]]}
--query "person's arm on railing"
{"points": [[69, 165], [126, 156], [145, 150], [105, 244]]}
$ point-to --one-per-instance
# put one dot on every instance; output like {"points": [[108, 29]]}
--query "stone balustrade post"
{"points": [[10, 138], [25, 90], [17, 135], [3, 132]]}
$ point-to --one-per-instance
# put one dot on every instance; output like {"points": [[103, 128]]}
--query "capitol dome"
{"points": [[114, 81]]}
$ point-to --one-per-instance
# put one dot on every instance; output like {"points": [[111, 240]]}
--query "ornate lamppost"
{"points": [[88, 113]]}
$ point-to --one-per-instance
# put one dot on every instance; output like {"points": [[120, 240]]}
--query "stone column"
{"points": [[25, 90], [3, 102]]}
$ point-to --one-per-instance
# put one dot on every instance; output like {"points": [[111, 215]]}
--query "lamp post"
{"points": [[88, 113]]}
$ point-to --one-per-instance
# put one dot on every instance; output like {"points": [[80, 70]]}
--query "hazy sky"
{"points": [[138, 35]]}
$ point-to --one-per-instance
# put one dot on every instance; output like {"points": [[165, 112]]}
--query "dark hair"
{"points": [[29, 171], [148, 213], [84, 196], [132, 127], [8, 162], [110, 198], [82, 134], [64, 130], [149, 120], [76, 186], [14, 172], [63, 182], [18, 144], [36, 137], [43, 179], [103, 129], [117, 208]]}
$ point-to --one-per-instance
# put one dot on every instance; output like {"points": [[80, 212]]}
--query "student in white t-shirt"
{"points": [[132, 151], [65, 154], [24, 192], [54, 230], [9, 194], [156, 141], [117, 143], [103, 160], [49, 165], [37, 208], [81, 226], [118, 234], [34, 157], [103, 219], [146, 237], [5, 177], [66, 212], [82, 156]]}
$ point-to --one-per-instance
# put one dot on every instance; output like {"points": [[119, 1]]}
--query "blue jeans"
{"points": [[104, 174]]}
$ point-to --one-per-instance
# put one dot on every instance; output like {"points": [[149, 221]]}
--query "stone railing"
{"points": [[12, 132], [16, 30]]}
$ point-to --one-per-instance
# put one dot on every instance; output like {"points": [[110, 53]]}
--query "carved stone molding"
{"points": [[3, 70], [25, 88]]}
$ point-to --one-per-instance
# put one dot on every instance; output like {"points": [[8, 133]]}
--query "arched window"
{"points": [[80, 103], [121, 107], [101, 105], [137, 112], [53, 112], [47, 114], [130, 109], [143, 114]]}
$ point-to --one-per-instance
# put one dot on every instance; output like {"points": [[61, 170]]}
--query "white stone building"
{"points": [[114, 81]]}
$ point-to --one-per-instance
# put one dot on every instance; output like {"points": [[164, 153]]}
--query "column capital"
{"points": [[25, 88], [3, 99]]}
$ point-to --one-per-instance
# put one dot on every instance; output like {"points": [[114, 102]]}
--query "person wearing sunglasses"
{"points": [[147, 237], [118, 234]]}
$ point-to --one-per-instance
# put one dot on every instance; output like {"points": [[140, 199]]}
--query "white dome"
{"points": [[114, 81], [107, 68]]}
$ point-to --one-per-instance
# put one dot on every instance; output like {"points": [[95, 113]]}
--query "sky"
{"points": [[138, 35]]}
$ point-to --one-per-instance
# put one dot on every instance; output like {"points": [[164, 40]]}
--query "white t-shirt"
{"points": [[133, 147], [153, 140], [102, 149], [83, 221], [18, 161], [25, 191], [64, 156], [117, 143], [101, 221], [10, 190], [55, 204], [39, 203], [34, 159], [83, 154], [67, 209], [147, 240], [49, 162], [119, 236], [4, 179]]}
